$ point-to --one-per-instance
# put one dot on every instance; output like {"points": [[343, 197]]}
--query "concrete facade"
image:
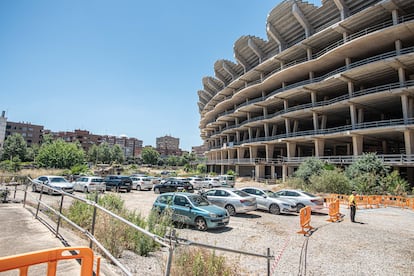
{"points": [[334, 82], [3, 123]]}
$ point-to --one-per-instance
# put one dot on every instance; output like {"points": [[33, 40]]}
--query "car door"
{"points": [[220, 198], [182, 209], [261, 197]]}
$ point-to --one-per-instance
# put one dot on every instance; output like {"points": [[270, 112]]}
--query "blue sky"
{"points": [[118, 67]]}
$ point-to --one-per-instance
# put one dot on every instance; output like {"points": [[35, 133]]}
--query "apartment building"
{"points": [[31, 133], [333, 81], [168, 145]]}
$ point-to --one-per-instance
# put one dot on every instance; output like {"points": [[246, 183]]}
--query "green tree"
{"points": [[105, 153], [311, 166], [393, 183], [60, 154], [14, 146], [150, 156], [202, 168], [330, 181], [118, 154], [173, 160], [367, 172], [93, 154], [32, 152]]}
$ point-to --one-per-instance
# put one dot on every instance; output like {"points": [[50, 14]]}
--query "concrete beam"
{"points": [[259, 53], [242, 61], [229, 70], [343, 8], [276, 36], [214, 85], [300, 17]]}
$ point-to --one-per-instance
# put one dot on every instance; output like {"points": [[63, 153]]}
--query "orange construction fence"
{"points": [[334, 214], [373, 201], [51, 257], [305, 218]]}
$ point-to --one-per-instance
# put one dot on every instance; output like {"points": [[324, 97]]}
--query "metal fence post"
{"points": [[60, 212], [93, 219], [25, 195], [40, 199], [268, 261]]}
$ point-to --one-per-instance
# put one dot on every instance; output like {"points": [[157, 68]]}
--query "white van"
{"points": [[227, 180]]}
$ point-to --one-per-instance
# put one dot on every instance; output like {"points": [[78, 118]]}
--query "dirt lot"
{"points": [[382, 244]]}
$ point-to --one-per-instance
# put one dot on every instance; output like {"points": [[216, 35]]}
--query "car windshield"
{"points": [[241, 193], [198, 200], [96, 180], [58, 180]]}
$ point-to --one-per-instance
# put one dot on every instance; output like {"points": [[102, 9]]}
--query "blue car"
{"points": [[192, 209]]}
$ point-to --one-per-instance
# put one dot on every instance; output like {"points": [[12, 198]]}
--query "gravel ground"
{"points": [[381, 244]]}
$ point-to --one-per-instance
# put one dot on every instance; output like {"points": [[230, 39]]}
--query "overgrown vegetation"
{"points": [[202, 262], [115, 235], [367, 175]]}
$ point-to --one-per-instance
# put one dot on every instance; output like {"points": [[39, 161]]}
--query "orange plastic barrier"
{"points": [[334, 214], [305, 218], [51, 257]]}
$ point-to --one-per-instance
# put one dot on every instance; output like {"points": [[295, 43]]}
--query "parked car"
{"points": [[227, 180], [270, 201], [53, 184], [173, 185], [192, 209], [302, 199], [118, 183], [213, 182], [88, 184], [198, 182], [233, 200], [141, 183]]}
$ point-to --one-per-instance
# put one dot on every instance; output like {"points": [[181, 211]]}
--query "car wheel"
{"points": [[138, 187], [49, 191], [231, 210], [157, 190], [34, 188], [299, 207], [210, 186], [129, 190], [200, 224], [117, 189], [274, 209], [85, 190]]}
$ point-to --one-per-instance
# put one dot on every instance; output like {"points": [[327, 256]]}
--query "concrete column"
{"points": [[259, 171], [395, 17], [274, 130], [353, 111], [269, 152], [309, 53], [266, 129], [398, 46], [360, 115], [313, 97], [272, 172], [295, 125], [315, 121], [401, 76], [357, 143], [409, 141], [238, 136], [264, 110], [324, 121], [253, 152], [237, 170], [404, 105], [319, 147], [284, 172], [287, 125], [384, 147], [291, 149], [351, 89], [348, 149], [344, 37], [347, 62], [250, 133], [222, 169]]}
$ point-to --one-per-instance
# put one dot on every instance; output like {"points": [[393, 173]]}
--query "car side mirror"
{"points": [[264, 196]]}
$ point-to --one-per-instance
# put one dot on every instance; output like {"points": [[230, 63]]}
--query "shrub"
{"points": [[311, 166], [201, 262], [330, 181]]}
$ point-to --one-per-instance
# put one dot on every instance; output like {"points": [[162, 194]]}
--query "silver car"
{"points": [[303, 199], [270, 201], [88, 184], [141, 183], [53, 184], [233, 200]]}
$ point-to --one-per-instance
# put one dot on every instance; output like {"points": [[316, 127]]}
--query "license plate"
{"points": [[180, 188]]}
